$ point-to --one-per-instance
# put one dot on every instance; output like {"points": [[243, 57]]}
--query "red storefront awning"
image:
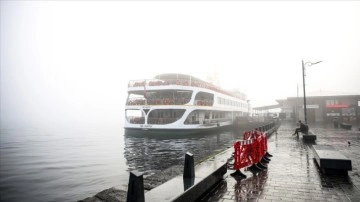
{"points": [[337, 106]]}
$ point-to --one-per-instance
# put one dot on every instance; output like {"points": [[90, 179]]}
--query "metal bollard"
{"points": [[136, 187], [189, 167], [188, 182]]}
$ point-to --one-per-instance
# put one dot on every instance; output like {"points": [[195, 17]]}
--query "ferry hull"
{"points": [[179, 104], [172, 132]]}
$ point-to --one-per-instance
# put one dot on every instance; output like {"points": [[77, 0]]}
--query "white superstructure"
{"points": [[181, 104]]}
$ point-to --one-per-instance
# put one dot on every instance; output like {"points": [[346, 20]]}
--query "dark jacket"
{"points": [[304, 128]]}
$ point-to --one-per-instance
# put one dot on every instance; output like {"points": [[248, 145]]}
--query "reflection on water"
{"points": [[59, 163], [247, 189], [153, 153], [250, 187], [69, 163]]}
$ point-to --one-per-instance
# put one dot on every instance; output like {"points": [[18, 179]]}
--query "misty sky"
{"points": [[64, 60]]}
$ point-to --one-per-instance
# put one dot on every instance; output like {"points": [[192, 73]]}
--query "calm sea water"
{"points": [[69, 163]]}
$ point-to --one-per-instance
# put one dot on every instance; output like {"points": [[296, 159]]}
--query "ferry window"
{"points": [[168, 97], [182, 97], [193, 118], [207, 115], [165, 116], [203, 98], [135, 116], [135, 99]]}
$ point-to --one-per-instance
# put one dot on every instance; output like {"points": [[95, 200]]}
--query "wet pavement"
{"points": [[293, 175]]}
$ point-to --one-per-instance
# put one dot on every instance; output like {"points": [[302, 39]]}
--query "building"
{"points": [[323, 108]]}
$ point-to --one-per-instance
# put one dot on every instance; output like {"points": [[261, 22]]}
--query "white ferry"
{"points": [[179, 103]]}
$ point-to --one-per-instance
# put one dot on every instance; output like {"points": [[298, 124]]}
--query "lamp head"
{"points": [[313, 63]]}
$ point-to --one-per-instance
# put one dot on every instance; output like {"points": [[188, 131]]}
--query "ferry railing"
{"points": [[136, 101], [136, 120], [181, 82], [164, 101], [205, 102], [160, 121], [207, 121], [136, 83]]}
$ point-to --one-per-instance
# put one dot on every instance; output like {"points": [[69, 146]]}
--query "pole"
{"points": [[303, 73]]}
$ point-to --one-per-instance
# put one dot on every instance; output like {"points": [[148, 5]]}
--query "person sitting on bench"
{"points": [[303, 128]]}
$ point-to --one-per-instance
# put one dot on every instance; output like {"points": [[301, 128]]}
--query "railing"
{"points": [[161, 120], [136, 101], [164, 101], [220, 120], [168, 101], [204, 102], [136, 120], [207, 121], [182, 82]]}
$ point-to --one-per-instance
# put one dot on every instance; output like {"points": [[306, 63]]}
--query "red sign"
{"points": [[337, 106]]}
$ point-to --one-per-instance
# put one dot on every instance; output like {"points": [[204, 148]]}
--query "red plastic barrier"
{"points": [[261, 141], [246, 135], [250, 150], [241, 155], [265, 147], [255, 155]]}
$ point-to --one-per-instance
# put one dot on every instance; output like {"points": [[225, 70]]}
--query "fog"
{"points": [[64, 61]]}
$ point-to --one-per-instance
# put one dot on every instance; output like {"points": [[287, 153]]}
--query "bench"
{"points": [[207, 174], [346, 126], [330, 160], [309, 136]]}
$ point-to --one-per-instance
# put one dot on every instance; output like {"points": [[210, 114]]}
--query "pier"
{"points": [[291, 175]]}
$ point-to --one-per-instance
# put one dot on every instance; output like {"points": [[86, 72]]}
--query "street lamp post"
{"points": [[303, 73], [248, 105]]}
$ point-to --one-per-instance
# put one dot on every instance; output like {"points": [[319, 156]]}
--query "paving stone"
{"points": [[292, 173]]}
